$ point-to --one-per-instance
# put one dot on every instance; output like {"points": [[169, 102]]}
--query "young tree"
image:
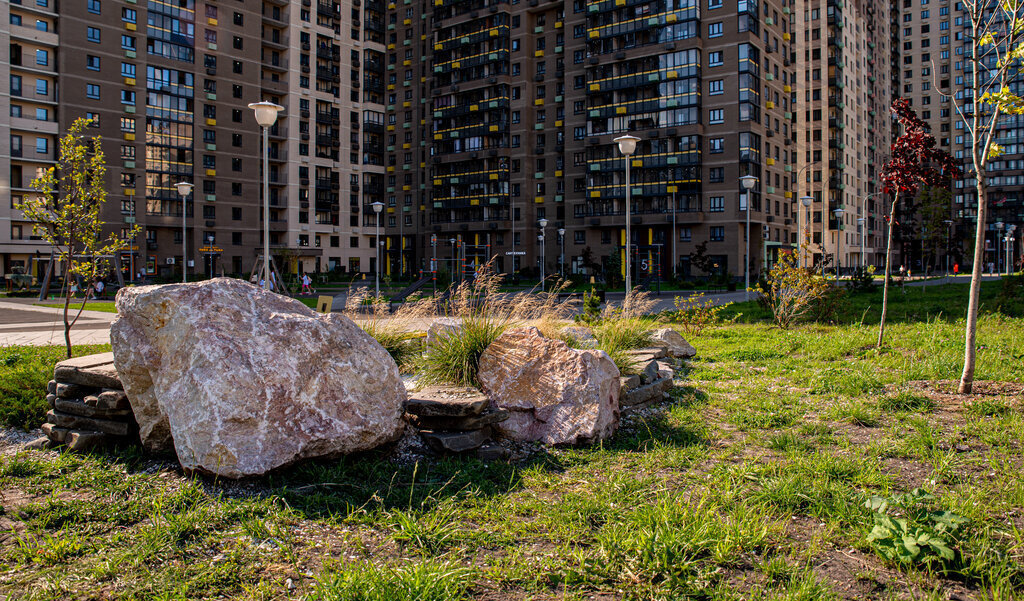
{"points": [[996, 31], [67, 214], [915, 162]]}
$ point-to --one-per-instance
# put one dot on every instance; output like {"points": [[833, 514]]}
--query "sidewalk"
{"points": [[22, 323]]}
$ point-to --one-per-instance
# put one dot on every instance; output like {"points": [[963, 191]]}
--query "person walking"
{"points": [[305, 284]]}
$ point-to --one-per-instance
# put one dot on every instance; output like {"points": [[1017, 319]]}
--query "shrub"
{"points": [[591, 308], [453, 358], [695, 314], [626, 328], [863, 279], [791, 291], [909, 532]]}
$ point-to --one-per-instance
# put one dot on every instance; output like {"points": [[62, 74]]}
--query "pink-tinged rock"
{"points": [[239, 381], [554, 394], [674, 343]]}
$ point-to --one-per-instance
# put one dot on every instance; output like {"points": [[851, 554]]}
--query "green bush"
{"points": [[909, 532], [24, 372], [617, 335]]}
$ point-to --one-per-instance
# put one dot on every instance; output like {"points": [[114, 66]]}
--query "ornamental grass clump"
{"points": [[484, 312], [626, 328], [394, 330]]}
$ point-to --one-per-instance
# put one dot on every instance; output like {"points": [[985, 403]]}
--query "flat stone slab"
{"points": [[646, 393], [81, 409], [447, 402], [73, 391], [460, 424], [96, 371], [75, 422], [455, 442]]}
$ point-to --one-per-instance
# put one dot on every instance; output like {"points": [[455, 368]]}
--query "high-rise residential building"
{"points": [[28, 124], [844, 53]]}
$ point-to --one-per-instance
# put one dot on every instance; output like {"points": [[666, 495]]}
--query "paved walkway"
{"points": [[22, 323]]}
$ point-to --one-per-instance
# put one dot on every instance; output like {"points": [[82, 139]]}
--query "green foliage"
{"points": [[906, 401], [591, 308], [417, 581], [617, 335], [1010, 300], [862, 279], [909, 532], [24, 372], [453, 358], [403, 346], [791, 292], [66, 213], [695, 314]]}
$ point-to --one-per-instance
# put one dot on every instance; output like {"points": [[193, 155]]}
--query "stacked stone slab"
{"points": [[453, 420], [88, 406], [656, 370]]}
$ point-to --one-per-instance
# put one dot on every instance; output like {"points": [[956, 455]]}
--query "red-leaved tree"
{"points": [[915, 162]]}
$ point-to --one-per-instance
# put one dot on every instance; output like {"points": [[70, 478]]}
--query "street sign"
{"points": [[517, 253], [211, 249]]}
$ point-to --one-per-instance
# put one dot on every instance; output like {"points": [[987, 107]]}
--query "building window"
{"points": [[92, 62], [127, 42], [42, 58], [92, 91], [716, 116], [127, 97], [42, 87], [717, 233], [127, 123], [128, 70], [716, 204], [716, 175], [714, 30], [714, 59], [685, 234], [128, 15], [42, 145], [236, 66], [94, 6], [716, 87], [92, 34], [715, 145], [236, 41]]}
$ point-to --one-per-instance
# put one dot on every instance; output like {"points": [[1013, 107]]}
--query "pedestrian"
{"points": [[956, 269], [98, 286], [305, 284]]}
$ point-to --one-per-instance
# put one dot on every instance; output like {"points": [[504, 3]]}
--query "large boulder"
{"points": [[239, 381], [554, 394], [674, 343]]}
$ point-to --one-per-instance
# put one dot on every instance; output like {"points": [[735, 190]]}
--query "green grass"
{"points": [[24, 372], [750, 484]]}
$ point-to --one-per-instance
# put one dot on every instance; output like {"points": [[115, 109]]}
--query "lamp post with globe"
{"points": [[266, 116], [183, 190], [748, 182], [627, 146]]}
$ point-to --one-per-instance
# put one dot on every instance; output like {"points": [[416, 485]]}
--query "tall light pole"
{"points": [[266, 116], [377, 207], [1009, 248], [627, 146], [561, 254], [209, 242], [807, 201], [183, 189], [748, 182], [949, 241], [860, 225], [839, 239], [674, 236], [999, 246], [543, 223]]}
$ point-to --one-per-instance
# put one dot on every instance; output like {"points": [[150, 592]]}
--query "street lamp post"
{"points": [[999, 246], [543, 223], [561, 254], [949, 241], [183, 189], [627, 146], [860, 223], [748, 182], [1009, 248], [452, 241], [839, 239], [209, 242], [807, 201], [266, 116], [377, 207]]}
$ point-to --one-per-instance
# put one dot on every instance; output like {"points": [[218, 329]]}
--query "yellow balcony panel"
{"points": [[593, 35], [129, 81], [620, 110], [211, 173], [787, 89], [129, 191], [391, 209], [423, 164], [406, 104], [538, 102], [130, 26], [494, 33], [406, 63], [671, 18], [406, 146], [789, 195], [437, 182], [438, 136], [493, 128], [786, 37], [559, 24], [211, 21], [456, 65], [391, 46], [438, 46], [672, 189], [638, 163], [595, 194], [770, 161], [769, 104], [475, 202], [129, 137], [595, 87], [391, 128], [494, 176], [474, 107], [558, 173], [406, 188], [391, 169], [558, 123], [538, 54], [211, 122], [407, 22], [672, 74], [538, 199]]}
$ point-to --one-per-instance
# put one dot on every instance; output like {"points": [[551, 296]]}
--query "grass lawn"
{"points": [[752, 483]]}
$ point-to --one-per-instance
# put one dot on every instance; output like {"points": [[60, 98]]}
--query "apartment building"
{"points": [[28, 124], [845, 52]]}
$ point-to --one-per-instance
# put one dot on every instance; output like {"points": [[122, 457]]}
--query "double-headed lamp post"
{"points": [[627, 146], [541, 238], [860, 226], [561, 254], [748, 182], [183, 190], [266, 116], [999, 246], [377, 207], [839, 239], [807, 201]]}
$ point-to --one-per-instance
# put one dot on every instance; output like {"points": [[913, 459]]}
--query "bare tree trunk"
{"points": [[67, 303], [971, 328], [888, 270]]}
